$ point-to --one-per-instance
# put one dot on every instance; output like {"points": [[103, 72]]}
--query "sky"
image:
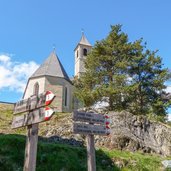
{"points": [[29, 30]]}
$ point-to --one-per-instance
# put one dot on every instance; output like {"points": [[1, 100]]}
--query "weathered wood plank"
{"points": [[86, 129], [31, 148], [34, 102], [91, 158], [93, 118], [33, 117]]}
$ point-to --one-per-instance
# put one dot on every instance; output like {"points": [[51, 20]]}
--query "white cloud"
{"points": [[14, 75], [169, 117], [4, 58], [168, 89]]}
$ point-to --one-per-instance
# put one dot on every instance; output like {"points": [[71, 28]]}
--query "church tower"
{"points": [[81, 51]]}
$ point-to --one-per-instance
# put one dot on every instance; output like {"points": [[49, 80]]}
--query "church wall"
{"points": [[51, 84], [67, 106], [30, 86], [57, 86]]}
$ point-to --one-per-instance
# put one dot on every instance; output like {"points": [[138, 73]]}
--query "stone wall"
{"points": [[57, 90], [57, 86]]}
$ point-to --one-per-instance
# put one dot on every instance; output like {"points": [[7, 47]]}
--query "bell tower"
{"points": [[81, 51]]}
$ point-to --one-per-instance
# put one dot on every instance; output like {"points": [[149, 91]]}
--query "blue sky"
{"points": [[30, 29]]}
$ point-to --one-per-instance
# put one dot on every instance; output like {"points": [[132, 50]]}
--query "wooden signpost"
{"points": [[90, 117], [81, 128], [90, 124], [32, 117], [34, 102], [37, 111]]}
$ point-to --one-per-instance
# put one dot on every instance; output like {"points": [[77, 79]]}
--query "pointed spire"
{"points": [[51, 67], [84, 40], [54, 48], [82, 31]]}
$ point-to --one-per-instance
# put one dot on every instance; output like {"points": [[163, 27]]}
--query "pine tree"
{"points": [[127, 74], [147, 78]]}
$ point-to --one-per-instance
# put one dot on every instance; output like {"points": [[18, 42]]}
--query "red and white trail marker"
{"points": [[95, 123], [33, 117], [48, 113], [37, 111], [90, 124], [49, 97], [107, 120], [34, 102]]}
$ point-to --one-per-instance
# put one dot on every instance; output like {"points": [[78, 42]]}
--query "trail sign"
{"points": [[80, 128], [91, 124], [33, 117], [37, 112], [93, 118], [34, 102]]}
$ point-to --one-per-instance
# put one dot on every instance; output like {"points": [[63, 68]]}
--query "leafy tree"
{"points": [[127, 74]]}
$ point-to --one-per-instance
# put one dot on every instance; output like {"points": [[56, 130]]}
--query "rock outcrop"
{"points": [[133, 133], [128, 132]]}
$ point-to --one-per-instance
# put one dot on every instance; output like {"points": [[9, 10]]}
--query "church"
{"points": [[52, 76]]}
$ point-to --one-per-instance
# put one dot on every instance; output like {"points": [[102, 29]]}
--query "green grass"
{"points": [[60, 157], [136, 161], [51, 157], [6, 115]]}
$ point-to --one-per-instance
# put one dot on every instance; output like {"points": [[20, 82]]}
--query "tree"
{"points": [[127, 74], [147, 78]]}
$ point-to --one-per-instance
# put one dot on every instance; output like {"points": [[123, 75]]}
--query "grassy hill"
{"points": [[60, 157]]}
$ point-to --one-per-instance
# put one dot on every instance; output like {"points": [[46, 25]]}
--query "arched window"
{"points": [[85, 52], [77, 53], [66, 96], [36, 89]]}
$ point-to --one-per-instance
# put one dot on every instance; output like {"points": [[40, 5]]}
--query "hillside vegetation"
{"points": [[58, 157], [6, 120], [63, 157]]}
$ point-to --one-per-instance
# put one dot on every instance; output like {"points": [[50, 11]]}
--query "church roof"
{"points": [[51, 67], [83, 41]]}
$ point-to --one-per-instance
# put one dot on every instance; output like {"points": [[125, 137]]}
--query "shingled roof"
{"points": [[51, 67]]}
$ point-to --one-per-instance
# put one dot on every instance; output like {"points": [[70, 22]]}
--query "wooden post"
{"points": [[91, 161], [36, 114], [31, 148], [97, 125]]}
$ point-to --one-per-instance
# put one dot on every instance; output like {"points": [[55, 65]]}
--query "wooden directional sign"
{"points": [[34, 102], [92, 124], [36, 114], [33, 117], [93, 118], [80, 128]]}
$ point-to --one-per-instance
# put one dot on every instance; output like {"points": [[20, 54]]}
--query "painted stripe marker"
{"points": [[48, 113], [49, 97]]}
